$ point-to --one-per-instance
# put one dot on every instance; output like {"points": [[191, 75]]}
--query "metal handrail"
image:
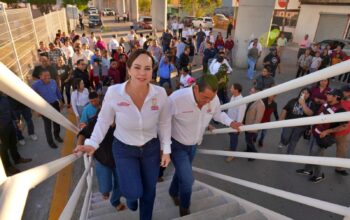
{"points": [[16, 188], [319, 119], [314, 77], [69, 209], [316, 203], [324, 161]]}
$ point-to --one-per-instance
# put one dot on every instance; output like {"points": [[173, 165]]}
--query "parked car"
{"points": [[187, 20], [92, 11], [145, 22], [221, 21], [94, 21], [205, 22], [345, 44], [108, 12]]}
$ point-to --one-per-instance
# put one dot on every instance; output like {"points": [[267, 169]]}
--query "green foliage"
{"points": [[200, 7], [81, 4], [145, 6]]}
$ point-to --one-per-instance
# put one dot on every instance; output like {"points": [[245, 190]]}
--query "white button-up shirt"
{"points": [[113, 44], [188, 121], [134, 127], [237, 113]]}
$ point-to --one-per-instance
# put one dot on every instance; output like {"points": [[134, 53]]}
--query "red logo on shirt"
{"points": [[155, 107], [123, 104]]}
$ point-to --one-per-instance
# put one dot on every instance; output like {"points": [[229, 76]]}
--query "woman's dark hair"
{"points": [[305, 89], [76, 83], [136, 54], [319, 82]]}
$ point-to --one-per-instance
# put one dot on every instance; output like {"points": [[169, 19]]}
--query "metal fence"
{"points": [[20, 35]]}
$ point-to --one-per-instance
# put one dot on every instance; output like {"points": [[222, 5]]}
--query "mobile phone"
{"points": [[302, 96]]}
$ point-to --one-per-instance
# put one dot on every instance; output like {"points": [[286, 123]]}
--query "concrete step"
{"points": [[123, 215], [196, 206], [165, 188], [221, 212], [254, 215]]}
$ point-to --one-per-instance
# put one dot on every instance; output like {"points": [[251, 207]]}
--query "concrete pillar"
{"points": [[121, 6], [159, 14], [253, 19], [134, 10]]}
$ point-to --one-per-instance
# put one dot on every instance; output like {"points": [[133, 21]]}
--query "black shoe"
{"points": [[316, 179], [53, 145], [59, 139], [176, 200], [23, 160], [260, 144], [10, 171], [250, 159], [184, 211], [304, 172], [342, 172]]}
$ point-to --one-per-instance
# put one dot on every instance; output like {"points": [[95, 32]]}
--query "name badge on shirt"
{"points": [[209, 108], [123, 104], [154, 106]]}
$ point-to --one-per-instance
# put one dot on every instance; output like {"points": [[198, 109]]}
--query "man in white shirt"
{"points": [[84, 39], [113, 45], [258, 45], [87, 53], [216, 63], [180, 28], [236, 114], [192, 109], [174, 27], [142, 40]]}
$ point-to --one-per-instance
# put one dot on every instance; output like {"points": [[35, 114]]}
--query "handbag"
{"points": [[326, 141]]}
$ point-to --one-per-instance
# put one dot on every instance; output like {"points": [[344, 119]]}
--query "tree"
{"points": [[200, 7], [81, 4], [145, 6]]}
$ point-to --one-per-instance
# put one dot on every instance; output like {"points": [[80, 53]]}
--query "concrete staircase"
{"points": [[207, 203]]}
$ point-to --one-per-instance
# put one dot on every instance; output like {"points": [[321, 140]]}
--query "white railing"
{"points": [[314, 77], [324, 161], [319, 119], [69, 209], [316, 203], [16, 188]]}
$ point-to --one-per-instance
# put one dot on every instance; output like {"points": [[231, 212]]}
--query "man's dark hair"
{"points": [[44, 70], [220, 59], [44, 54], [238, 87], [207, 81], [93, 95], [79, 61], [141, 34]]}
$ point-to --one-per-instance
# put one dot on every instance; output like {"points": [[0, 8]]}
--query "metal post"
{"points": [[11, 39], [31, 17], [285, 15], [47, 28]]}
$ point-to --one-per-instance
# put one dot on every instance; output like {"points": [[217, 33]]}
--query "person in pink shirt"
{"points": [[100, 44]]}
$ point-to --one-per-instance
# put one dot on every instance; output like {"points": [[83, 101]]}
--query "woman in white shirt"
{"points": [[79, 98], [141, 113], [281, 43]]}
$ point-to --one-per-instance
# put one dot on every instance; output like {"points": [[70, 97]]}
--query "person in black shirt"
{"points": [[272, 61], [64, 73], [82, 73], [106, 172], [298, 107], [8, 137], [184, 60], [45, 64]]}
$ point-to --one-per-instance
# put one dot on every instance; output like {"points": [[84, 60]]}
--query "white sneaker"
{"points": [[22, 142], [33, 137]]}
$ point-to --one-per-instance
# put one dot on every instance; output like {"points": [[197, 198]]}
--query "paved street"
{"points": [[279, 175]]}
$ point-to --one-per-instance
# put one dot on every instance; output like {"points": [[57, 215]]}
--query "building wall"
{"points": [[293, 4], [309, 17]]}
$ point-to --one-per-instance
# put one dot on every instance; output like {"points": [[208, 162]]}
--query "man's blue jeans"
{"points": [[181, 185], [107, 179], [162, 81], [251, 65], [138, 169], [233, 140]]}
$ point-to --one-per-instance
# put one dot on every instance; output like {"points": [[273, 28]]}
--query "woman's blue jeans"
{"points": [[138, 169], [251, 65]]}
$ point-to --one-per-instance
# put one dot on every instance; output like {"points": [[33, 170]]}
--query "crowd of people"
{"points": [[146, 120]]}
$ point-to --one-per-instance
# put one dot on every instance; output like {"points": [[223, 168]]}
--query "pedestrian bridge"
{"points": [[208, 202]]}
